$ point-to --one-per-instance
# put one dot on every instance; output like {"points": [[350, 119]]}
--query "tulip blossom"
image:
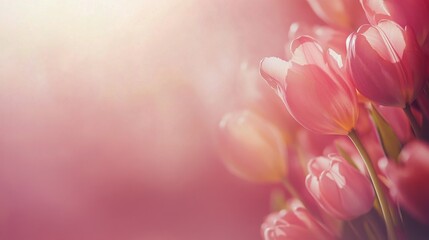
{"points": [[344, 14], [293, 225], [252, 147], [339, 188], [313, 87], [386, 63], [409, 179], [413, 13]]}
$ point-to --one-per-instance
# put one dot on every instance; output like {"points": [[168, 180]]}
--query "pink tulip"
{"points": [[314, 88], [293, 225], [252, 147], [344, 14], [387, 64], [409, 179], [339, 188], [413, 13]]}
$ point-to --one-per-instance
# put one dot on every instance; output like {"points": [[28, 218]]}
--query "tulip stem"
{"points": [[413, 122], [354, 230], [385, 209], [291, 189]]}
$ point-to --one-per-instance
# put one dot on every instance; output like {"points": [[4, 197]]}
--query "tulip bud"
{"points": [[409, 179], [252, 148], [314, 88], [293, 224], [340, 189], [413, 13], [386, 63]]}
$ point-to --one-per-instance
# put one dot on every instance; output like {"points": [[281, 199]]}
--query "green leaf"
{"points": [[388, 138]]}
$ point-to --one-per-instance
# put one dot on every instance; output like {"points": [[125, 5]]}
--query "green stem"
{"points": [[413, 122], [385, 209], [291, 189]]}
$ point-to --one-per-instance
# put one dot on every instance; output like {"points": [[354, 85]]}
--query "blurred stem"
{"points": [[372, 225], [414, 125], [371, 230], [291, 189], [388, 138], [385, 209], [355, 231]]}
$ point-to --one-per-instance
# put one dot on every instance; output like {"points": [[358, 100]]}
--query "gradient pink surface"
{"points": [[108, 114]]}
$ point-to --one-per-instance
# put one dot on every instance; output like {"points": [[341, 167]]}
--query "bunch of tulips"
{"points": [[352, 149]]}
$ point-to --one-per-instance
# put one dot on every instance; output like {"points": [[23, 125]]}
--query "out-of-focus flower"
{"points": [[386, 63], [345, 14], [339, 188], [252, 147], [409, 179], [413, 13], [398, 121], [255, 95], [326, 36], [313, 87], [313, 144], [423, 101], [293, 225]]}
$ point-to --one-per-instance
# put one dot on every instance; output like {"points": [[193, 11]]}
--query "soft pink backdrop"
{"points": [[108, 114]]}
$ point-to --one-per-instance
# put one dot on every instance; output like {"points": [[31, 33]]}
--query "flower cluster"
{"points": [[356, 166]]}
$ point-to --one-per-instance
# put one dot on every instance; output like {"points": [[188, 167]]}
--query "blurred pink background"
{"points": [[109, 111]]}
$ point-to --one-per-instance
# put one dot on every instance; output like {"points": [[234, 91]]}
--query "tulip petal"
{"points": [[318, 165], [274, 71], [306, 50], [293, 225], [312, 184], [375, 10], [394, 38], [325, 107]]}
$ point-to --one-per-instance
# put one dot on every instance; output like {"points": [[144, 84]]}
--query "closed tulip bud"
{"points": [[340, 189], [386, 63], [413, 13], [314, 87], [294, 225], [252, 147], [409, 179]]}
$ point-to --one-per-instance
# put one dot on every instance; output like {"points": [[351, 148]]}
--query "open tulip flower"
{"points": [[386, 63], [294, 225], [314, 87], [339, 188]]}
